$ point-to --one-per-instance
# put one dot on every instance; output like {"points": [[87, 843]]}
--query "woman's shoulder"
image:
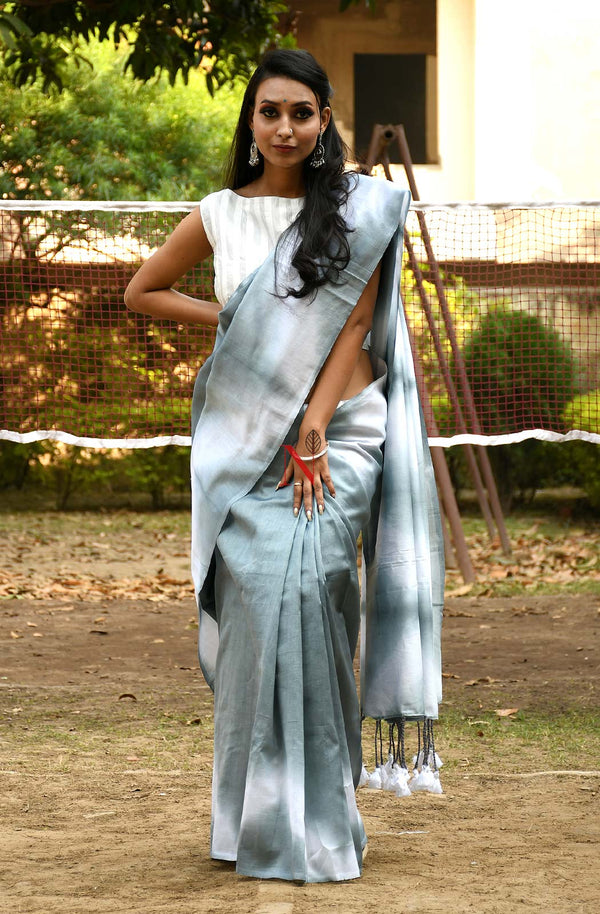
{"points": [[230, 204], [227, 194], [215, 198], [217, 209]]}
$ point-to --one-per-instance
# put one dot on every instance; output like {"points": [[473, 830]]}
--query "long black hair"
{"points": [[323, 251]]}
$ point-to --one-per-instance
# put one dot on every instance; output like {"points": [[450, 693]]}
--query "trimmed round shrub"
{"points": [[522, 374]]}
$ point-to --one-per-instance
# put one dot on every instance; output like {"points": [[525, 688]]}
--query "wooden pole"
{"points": [[486, 469], [450, 387], [442, 475]]}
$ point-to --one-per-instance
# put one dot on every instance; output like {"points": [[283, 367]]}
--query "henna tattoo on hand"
{"points": [[313, 442]]}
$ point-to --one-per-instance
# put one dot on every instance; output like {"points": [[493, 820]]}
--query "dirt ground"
{"points": [[105, 752]]}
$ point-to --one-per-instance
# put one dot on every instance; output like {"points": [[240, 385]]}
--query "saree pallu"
{"points": [[278, 595]]}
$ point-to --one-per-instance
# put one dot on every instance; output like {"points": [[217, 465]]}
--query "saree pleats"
{"points": [[287, 719]]}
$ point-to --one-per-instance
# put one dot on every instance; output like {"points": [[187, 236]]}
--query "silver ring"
{"points": [[298, 483]]}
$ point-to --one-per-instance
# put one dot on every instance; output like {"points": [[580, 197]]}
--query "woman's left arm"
{"points": [[326, 394]]}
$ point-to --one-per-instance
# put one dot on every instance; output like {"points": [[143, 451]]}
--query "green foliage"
{"points": [[583, 412], [70, 469], [11, 29], [581, 465], [226, 38], [582, 458], [17, 461], [49, 466], [72, 348], [523, 468], [158, 471], [521, 375], [520, 469], [107, 138]]}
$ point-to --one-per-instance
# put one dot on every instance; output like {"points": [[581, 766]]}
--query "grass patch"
{"points": [[569, 740]]}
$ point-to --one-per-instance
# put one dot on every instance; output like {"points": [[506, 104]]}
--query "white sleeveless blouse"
{"points": [[242, 231]]}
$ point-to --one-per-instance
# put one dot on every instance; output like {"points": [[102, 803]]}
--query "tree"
{"points": [[106, 137], [40, 37]]}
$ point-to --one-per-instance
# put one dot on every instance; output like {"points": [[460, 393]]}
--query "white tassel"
{"points": [[423, 780], [386, 774], [418, 760], [399, 780], [437, 784], [364, 777], [375, 778], [426, 779], [396, 779]]}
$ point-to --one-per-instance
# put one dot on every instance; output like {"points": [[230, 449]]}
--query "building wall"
{"points": [[396, 27], [441, 29], [454, 176], [537, 99], [515, 114]]}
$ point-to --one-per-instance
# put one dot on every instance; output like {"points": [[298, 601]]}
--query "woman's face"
{"points": [[286, 121]]}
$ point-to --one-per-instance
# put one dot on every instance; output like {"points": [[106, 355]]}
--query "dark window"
{"points": [[390, 89]]}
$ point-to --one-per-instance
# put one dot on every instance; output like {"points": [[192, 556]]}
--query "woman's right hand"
{"points": [[306, 493]]}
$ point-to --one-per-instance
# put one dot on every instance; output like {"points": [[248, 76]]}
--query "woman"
{"points": [[307, 262]]}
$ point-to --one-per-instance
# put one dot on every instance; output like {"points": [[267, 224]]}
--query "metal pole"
{"points": [[457, 547], [449, 553], [380, 139]]}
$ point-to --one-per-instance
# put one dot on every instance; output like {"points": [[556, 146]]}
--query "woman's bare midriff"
{"points": [[361, 377]]}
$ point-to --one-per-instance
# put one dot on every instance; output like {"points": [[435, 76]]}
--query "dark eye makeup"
{"points": [[270, 110]]}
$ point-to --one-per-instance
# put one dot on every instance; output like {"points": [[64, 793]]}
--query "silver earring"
{"points": [[253, 160], [318, 158]]}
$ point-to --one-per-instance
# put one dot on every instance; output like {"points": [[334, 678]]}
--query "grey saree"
{"points": [[278, 596]]}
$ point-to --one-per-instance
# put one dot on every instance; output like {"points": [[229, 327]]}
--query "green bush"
{"points": [[159, 471], [522, 374], [53, 469], [582, 458], [18, 463]]}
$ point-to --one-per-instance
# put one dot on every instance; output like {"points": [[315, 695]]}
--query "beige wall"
{"points": [[519, 101], [453, 177], [537, 106]]}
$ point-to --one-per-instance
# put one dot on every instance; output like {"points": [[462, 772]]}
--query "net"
{"points": [[502, 301]]}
